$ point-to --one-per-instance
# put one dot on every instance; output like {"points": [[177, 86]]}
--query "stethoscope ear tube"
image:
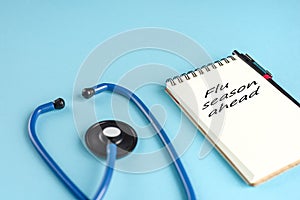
{"points": [[111, 154], [47, 107]]}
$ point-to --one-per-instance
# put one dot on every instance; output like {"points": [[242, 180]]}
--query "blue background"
{"points": [[43, 44]]}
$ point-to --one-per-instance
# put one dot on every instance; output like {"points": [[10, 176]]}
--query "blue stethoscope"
{"points": [[111, 139]]}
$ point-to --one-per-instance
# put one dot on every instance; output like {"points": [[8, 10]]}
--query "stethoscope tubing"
{"points": [[111, 148]]}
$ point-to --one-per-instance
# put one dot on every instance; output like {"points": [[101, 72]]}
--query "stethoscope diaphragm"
{"points": [[101, 133]]}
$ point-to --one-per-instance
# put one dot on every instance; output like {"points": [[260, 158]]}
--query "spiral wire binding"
{"points": [[200, 70]]}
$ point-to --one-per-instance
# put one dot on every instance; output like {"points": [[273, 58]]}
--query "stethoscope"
{"points": [[108, 139]]}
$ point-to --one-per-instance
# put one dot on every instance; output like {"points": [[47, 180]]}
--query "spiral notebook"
{"points": [[248, 118]]}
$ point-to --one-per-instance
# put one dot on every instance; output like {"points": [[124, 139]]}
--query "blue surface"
{"points": [[43, 44]]}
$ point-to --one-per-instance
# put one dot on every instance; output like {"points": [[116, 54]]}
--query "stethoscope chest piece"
{"points": [[101, 133]]}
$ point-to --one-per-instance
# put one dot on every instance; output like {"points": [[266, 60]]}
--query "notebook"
{"points": [[241, 110]]}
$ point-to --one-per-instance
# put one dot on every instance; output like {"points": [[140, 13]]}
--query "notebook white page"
{"points": [[259, 136]]}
